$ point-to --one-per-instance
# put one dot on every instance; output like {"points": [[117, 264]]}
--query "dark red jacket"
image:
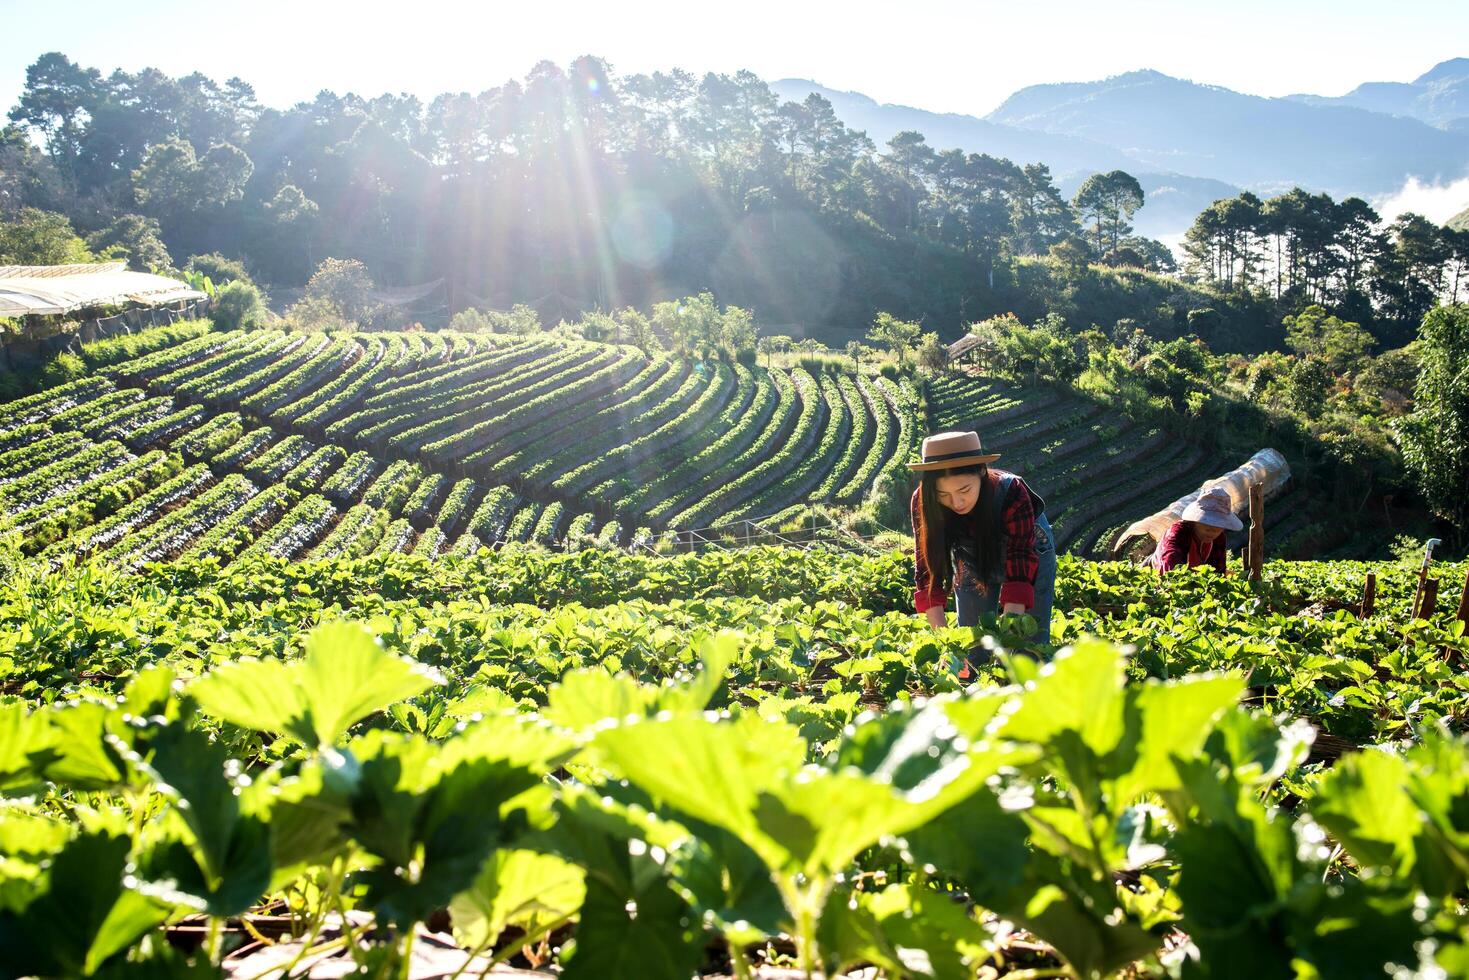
{"points": [[1018, 512], [1180, 549]]}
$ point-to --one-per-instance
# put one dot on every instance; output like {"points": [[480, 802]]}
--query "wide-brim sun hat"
{"points": [[950, 450], [1215, 508]]}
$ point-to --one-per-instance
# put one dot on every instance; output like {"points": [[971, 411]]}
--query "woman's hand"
{"points": [[937, 618], [1014, 609]]}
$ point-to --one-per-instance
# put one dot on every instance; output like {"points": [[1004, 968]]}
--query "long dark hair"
{"points": [[932, 530]]}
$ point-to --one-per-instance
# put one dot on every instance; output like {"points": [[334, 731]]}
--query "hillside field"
{"points": [[318, 445]]}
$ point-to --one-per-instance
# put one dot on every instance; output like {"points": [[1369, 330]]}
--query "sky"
{"points": [[939, 55]]}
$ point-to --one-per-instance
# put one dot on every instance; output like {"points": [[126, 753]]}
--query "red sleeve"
{"points": [[1021, 561], [926, 592], [1173, 549]]}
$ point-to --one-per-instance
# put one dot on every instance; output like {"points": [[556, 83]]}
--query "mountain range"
{"points": [[1190, 144], [1439, 97]]}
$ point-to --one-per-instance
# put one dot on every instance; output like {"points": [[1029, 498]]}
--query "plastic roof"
{"points": [[48, 290]]}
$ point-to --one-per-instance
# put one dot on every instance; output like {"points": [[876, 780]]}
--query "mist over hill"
{"points": [[1439, 97], [1190, 144], [1264, 144]]}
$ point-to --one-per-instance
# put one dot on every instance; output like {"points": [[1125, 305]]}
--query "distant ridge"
{"points": [[1439, 97], [944, 130], [1265, 144], [1173, 199]]}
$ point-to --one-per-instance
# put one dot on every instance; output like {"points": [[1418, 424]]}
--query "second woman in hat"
{"points": [[1197, 537], [981, 534]]}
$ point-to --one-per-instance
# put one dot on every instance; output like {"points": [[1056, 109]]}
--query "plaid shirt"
{"points": [[1021, 560]]}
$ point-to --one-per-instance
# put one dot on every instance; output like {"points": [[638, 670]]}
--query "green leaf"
{"points": [[716, 654], [517, 888], [305, 816], [260, 695], [189, 769], [431, 828], [746, 777], [726, 883], [1176, 717], [1258, 751], [715, 772], [1232, 904], [641, 931], [83, 917], [130, 916], [1079, 691], [930, 934], [24, 735], [150, 692], [590, 697], [343, 677], [977, 843], [983, 847], [1363, 801], [220, 862]]}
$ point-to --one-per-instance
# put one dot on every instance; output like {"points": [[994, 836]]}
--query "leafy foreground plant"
{"points": [[624, 825]]}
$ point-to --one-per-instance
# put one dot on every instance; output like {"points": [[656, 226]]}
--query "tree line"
{"points": [[577, 189], [573, 188], [1303, 249]]}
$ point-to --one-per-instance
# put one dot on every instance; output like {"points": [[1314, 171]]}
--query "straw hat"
{"points": [[1215, 508], [950, 450]]}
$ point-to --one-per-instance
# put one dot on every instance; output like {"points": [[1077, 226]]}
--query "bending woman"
{"points": [[980, 533], [1197, 538]]}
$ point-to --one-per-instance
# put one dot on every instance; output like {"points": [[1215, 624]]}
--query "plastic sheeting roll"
{"points": [[1267, 468]]}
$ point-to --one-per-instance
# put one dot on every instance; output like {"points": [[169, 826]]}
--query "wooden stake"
{"points": [[1369, 596], [1450, 654], [1463, 616], [1430, 599], [1418, 591], [1257, 530]]}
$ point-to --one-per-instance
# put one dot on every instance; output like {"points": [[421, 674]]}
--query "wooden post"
{"points": [[1429, 605], [1369, 596], [1257, 530]]}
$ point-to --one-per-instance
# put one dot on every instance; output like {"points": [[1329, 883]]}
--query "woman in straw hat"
{"points": [[1197, 537], [980, 533]]}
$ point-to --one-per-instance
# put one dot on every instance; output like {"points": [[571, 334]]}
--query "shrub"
{"points": [[218, 268], [239, 306], [62, 368]]}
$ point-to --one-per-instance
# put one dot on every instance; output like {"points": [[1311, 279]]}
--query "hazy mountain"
{"points": [[1439, 97], [1172, 199], [1460, 221], [945, 130], [1266, 144]]}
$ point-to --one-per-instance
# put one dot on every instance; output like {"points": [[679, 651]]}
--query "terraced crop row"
{"points": [[586, 425], [811, 455], [250, 490], [433, 443], [737, 427]]}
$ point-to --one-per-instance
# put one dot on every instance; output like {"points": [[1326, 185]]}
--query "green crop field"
{"points": [[740, 760], [286, 687]]}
